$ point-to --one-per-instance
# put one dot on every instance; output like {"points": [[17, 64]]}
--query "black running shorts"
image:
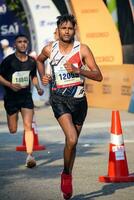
{"points": [[77, 107], [14, 104]]}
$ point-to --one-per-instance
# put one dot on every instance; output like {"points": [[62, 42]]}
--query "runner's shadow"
{"points": [[105, 191], [56, 153]]}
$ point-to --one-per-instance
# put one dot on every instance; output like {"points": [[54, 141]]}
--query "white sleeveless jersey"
{"points": [[63, 82]]}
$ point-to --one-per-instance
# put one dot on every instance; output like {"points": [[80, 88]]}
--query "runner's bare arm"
{"points": [[45, 54], [35, 82], [14, 87], [94, 72]]}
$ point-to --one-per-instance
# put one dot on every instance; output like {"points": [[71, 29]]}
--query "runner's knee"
{"points": [[72, 142], [12, 129], [27, 126]]}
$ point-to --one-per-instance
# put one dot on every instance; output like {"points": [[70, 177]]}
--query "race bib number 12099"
{"points": [[65, 79]]}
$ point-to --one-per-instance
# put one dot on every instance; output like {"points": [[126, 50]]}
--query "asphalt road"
{"points": [[42, 182]]}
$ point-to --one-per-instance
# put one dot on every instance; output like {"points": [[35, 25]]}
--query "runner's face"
{"points": [[66, 32], [21, 44]]}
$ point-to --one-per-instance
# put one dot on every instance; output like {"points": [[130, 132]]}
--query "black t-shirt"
{"points": [[12, 64]]}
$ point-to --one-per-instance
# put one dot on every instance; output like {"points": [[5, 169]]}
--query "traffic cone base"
{"points": [[36, 145], [108, 179], [35, 148], [21, 148]]}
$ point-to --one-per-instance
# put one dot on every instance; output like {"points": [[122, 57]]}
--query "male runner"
{"points": [[16, 71], [67, 58]]}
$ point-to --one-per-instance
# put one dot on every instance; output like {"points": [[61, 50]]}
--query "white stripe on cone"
{"points": [[34, 127], [117, 139]]}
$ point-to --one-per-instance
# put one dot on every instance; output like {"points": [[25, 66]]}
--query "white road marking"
{"points": [[96, 125]]}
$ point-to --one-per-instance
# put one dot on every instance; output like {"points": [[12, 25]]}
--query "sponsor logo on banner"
{"points": [[38, 6], [108, 59], [9, 29], [47, 23], [97, 35], [93, 10]]}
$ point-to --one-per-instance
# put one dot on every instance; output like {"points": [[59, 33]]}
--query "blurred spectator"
{"points": [[7, 50], [48, 68]]}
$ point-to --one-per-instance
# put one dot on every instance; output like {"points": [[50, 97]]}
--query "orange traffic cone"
{"points": [[117, 168], [36, 146]]}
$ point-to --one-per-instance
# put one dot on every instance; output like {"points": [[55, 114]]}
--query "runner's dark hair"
{"points": [[65, 18], [21, 35]]}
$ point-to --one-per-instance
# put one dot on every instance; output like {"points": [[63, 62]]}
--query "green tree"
{"points": [[17, 8]]}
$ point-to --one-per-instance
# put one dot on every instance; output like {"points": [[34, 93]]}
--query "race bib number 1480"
{"points": [[21, 77]]}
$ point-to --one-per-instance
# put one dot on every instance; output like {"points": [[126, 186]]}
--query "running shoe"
{"points": [[30, 161], [66, 185]]}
